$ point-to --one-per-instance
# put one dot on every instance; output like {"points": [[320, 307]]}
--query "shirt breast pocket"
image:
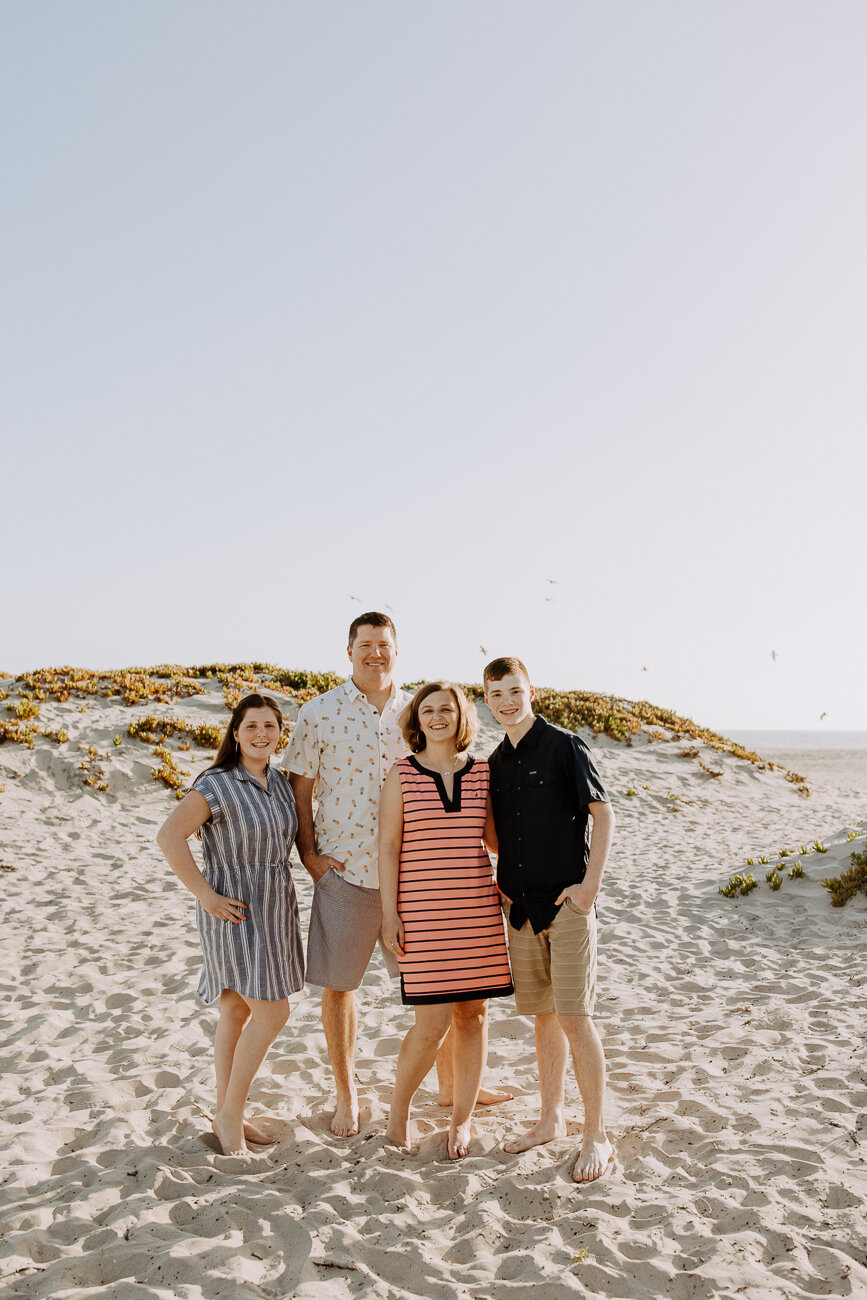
{"points": [[343, 753], [540, 784], [502, 784]]}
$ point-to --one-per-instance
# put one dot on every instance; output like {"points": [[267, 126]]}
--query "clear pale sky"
{"points": [[427, 305]]}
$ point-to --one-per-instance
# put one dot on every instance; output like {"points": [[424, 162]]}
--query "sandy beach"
{"points": [[733, 1030]]}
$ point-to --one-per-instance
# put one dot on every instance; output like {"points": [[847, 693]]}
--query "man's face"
{"points": [[373, 653], [510, 700]]}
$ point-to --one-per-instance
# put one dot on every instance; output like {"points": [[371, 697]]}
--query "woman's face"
{"points": [[258, 735], [438, 716]]}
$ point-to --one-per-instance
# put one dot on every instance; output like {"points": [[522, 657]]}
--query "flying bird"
{"points": [[553, 581], [644, 670], [822, 715], [774, 655], [358, 598], [483, 650], [389, 608]]}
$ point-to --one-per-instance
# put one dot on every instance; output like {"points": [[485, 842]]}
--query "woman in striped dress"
{"points": [[441, 908], [245, 903]]}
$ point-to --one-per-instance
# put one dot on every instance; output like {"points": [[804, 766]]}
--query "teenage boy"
{"points": [[546, 792]]}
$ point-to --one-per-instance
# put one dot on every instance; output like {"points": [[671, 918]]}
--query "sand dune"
{"points": [[733, 1029]]}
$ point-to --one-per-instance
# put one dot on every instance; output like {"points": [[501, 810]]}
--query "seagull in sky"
{"points": [[358, 598], [644, 670], [822, 715], [483, 650], [774, 655], [553, 581]]}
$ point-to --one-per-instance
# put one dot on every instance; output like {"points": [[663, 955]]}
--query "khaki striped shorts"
{"points": [[555, 970]]}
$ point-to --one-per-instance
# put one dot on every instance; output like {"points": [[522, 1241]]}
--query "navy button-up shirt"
{"points": [[541, 791]]}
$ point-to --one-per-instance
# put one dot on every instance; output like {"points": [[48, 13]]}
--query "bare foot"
{"points": [[537, 1136], [230, 1135], [592, 1160], [493, 1097], [486, 1097], [252, 1132], [459, 1140], [400, 1133], [344, 1122]]}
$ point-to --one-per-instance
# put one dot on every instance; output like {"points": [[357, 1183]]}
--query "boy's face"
{"points": [[510, 699]]}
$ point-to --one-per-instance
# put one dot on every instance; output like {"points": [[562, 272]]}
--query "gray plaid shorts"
{"points": [[345, 926]]}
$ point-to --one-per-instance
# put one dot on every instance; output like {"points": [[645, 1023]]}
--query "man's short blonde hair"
{"points": [[468, 718]]}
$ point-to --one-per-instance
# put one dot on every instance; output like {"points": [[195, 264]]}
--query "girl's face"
{"points": [[438, 716], [258, 735]]}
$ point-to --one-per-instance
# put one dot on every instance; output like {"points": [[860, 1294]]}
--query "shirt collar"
{"points": [[352, 692], [240, 773], [530, 739]]}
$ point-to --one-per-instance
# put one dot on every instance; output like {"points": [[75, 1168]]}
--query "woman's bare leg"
{"points": [[417, 1054], [234, 1014], [265, 1021], [470, 1020]]}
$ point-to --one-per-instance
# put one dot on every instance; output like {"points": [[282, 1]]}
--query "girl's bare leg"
{"points": [[234, 1014], [417, 1054], [264, 1022]]}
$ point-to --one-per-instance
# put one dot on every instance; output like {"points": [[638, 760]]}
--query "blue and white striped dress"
{"points": [[246, 844]]}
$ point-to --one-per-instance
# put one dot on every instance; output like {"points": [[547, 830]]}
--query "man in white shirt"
{"points": [[343, 745]]}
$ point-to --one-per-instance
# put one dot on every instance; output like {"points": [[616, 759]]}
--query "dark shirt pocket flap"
{"points": [[540, 780], [502, 782]]}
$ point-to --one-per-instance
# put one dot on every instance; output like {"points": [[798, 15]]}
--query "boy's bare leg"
{"points": [[589, 1061], [551, 1047]]}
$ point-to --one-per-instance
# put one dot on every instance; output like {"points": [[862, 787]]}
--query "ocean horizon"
{"points": [[761, 741]]}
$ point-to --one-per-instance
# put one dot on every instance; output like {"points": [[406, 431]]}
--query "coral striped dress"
{"points": [[454, 943]]}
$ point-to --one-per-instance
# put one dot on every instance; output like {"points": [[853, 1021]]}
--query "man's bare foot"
{"points": [[400, 1133], [459, 1140], [493, 1097], [486, 1097], [593, 1159], [230, 1135], [344, 1122], [537, 1136], [252, 1132]]}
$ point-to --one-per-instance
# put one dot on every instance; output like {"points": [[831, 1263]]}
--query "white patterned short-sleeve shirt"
{"points": [[344, 743]]}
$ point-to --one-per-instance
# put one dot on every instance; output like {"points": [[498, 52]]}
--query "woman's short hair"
{"points": [[468, 718]]}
